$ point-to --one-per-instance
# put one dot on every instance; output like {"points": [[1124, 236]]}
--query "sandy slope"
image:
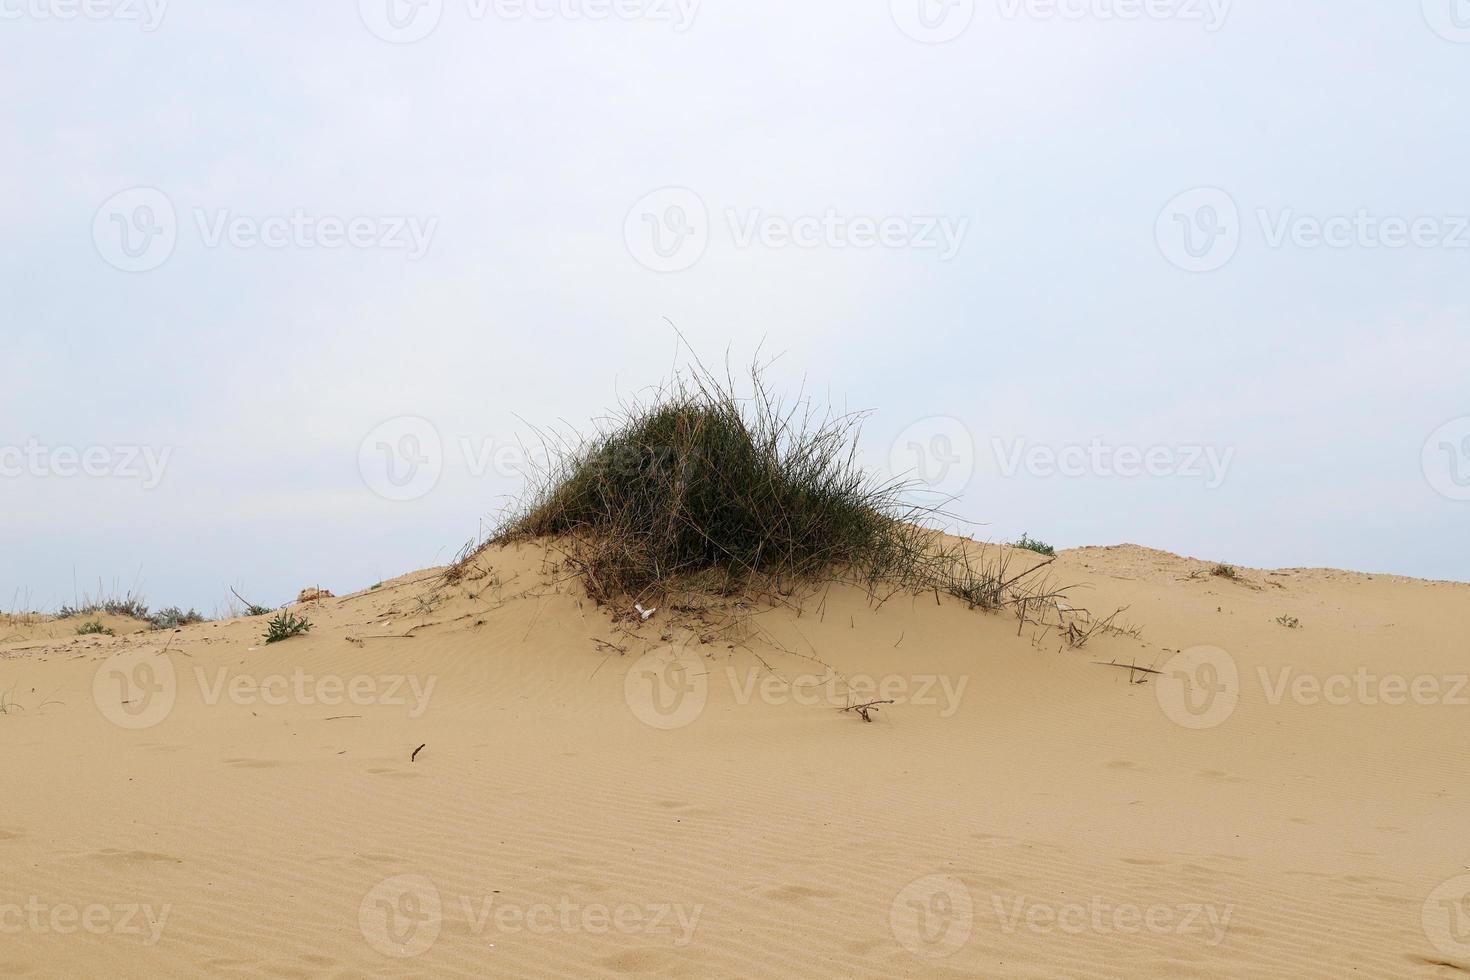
{"points": [[695, 804]]}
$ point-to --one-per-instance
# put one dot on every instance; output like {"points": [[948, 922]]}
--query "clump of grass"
{"points": [[702, 487], [129, 605], [284, 626], [699, 481], [1225, 571], [94, 628], [1040, 547], [1290, 622], [173, 617]]}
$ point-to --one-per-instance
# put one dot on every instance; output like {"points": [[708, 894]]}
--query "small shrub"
{"points": [[254, 610], [705, 488], [703, 482], [286, 625], [1290, 622], [173, 617], [94, 628], [1040, 547], [1225, 571], [130, 605]]}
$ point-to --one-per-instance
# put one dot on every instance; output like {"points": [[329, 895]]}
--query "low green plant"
{"points": [[1040, 547], [1225, 571], [94, 628], [286, 625]]}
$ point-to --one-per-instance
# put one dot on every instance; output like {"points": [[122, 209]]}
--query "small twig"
{"points": [[864, 709], [1131, 668], [416, 752]]}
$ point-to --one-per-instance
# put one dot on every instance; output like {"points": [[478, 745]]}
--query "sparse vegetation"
{"points": [[173, 617], [1225, 571], [95, 628], [251, 608], [1040, 547], [1290, 622], [132, 607], [286, 625]]}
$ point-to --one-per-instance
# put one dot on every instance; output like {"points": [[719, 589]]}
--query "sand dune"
{"points": [[684, 797]]}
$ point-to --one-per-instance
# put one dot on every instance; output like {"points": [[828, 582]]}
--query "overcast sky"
{"points": [[284, 283]]}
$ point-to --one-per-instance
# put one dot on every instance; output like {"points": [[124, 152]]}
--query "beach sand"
{"points": [[499, 778]]}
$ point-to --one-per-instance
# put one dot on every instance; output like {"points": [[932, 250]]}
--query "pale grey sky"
{"points": [[1189, 273]]}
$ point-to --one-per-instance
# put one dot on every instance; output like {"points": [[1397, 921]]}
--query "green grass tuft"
{"points": [[1040, 547]]}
